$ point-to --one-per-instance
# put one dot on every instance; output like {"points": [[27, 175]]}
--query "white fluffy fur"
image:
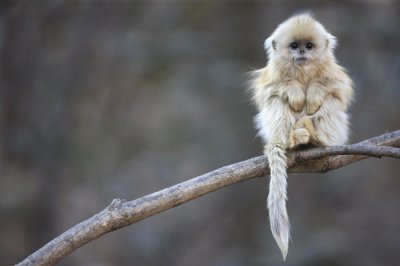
{"points": [[298, 104]]}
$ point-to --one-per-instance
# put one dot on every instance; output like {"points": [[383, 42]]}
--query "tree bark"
{"points": [[121, 213]]}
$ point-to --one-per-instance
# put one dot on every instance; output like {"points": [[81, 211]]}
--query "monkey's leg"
{"points": [[330, 123], [275, 122]]}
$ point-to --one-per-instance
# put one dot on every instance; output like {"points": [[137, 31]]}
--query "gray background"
{"points": [[107, 99]]}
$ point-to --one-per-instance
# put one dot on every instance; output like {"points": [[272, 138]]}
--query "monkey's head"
{"points": [[300, 40]]}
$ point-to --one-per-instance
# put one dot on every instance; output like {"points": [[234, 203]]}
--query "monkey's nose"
{"points": [[301, 51]]}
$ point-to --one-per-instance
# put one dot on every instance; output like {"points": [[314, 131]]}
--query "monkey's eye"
{"points": [[309, 46], [294, 45]]}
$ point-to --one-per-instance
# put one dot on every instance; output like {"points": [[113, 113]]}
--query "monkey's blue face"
{"points": [[300, 46], [301, 51]]}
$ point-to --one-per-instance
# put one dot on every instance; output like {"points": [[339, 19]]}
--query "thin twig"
{"points": [[121, 213]]}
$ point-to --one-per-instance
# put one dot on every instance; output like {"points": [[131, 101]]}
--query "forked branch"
{"points": [[121, 213]]}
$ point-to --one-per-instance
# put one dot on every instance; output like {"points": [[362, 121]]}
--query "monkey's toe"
{"points": [[302, 136], [299, 136]]}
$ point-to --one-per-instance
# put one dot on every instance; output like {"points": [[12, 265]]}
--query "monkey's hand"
{"points": [[315, 96], [295, 96]]}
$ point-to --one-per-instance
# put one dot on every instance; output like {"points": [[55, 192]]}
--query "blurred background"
{"points": [[118, 99]]}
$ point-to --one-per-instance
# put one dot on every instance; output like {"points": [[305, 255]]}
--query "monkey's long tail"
{"points": [[277, 196]]}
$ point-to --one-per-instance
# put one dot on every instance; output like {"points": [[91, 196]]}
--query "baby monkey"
{"points": [[302, 97]]}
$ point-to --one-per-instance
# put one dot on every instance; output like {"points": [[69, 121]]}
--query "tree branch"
{"points": [[121, 213]]}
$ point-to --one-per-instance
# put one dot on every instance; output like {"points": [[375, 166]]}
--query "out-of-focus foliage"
{"points": [[106, 99]]}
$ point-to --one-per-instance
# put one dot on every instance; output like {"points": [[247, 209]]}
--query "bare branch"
{"points": [[121, 213]]}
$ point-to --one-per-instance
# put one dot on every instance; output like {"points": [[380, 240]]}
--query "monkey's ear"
{"points": [[273, 44], [331, 41], [269, 44]]}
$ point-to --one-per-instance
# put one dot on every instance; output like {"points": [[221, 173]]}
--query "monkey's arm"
{"points": [[262, 90], [266, 87], [327, 101], [315, 95], [339, 87], [330, 121], [277, 103], [292, 93]]}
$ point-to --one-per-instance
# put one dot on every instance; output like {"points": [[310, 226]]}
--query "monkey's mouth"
{"points": [[301, 60]]}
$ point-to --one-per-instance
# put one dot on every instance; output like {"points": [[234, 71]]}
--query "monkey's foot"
{"points": [[321, 140], [299, 136], [306, 122]]}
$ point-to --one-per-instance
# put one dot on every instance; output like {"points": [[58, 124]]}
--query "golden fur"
{"points": [[302, 96]]}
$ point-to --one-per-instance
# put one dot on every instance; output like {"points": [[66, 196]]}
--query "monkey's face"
{"points": [[301, 52], [300, 41], [305, 50]]}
